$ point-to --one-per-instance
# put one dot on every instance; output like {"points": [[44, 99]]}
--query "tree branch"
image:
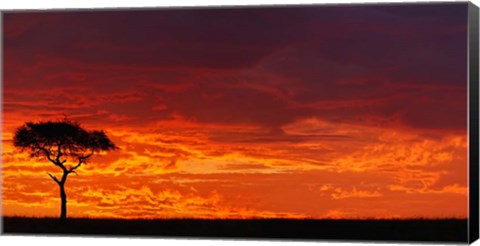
{"points": [[72, 170], [47, 153], [49, 157], [54, 178], [87, 156], [59, 153], [81, 160]]}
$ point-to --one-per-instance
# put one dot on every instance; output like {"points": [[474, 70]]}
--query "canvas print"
{"points": [[334, 122]]}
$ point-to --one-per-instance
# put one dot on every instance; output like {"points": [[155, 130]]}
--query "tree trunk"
{"points": [[63, 197]]}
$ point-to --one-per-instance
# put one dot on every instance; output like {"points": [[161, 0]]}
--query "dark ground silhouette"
{"points": [[440, 230]]}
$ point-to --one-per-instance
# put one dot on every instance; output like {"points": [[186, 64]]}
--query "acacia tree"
{"points": [[65, 144]]}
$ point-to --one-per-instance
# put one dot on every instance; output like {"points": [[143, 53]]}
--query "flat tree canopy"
{"points": [[55, 139]]}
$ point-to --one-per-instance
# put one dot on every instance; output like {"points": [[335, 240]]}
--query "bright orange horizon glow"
{"points": [[215, 119]]}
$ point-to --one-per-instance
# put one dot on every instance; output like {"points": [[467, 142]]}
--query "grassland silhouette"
{"points": [[432, 230]]}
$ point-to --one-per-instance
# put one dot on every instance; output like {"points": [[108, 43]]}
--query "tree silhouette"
{"points": [[61, 142]]}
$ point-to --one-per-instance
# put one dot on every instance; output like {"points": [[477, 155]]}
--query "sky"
{"points": [[303, 112]]}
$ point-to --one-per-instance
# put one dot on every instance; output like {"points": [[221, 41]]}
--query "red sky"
{"points": [[318, 112]]}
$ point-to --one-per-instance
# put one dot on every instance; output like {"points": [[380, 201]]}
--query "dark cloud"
{"points": [[260, 66]]}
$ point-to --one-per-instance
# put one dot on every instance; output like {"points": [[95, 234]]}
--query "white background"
{"points": [[73, 241]]}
